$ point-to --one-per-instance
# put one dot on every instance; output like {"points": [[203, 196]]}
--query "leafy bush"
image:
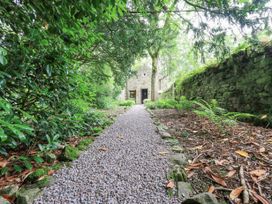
{"points": [[83, 144], [161, 104], [127, 103], [94, 122], [184, 104], [166, 103], [13, 129], [150, 104]]}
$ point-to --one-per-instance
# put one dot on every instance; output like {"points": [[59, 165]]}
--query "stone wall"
{"points": [[241, 83]]}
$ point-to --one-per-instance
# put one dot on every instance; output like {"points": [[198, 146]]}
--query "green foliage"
{"points": [[94, 122], [161, 104], [127, 103], [13, 129], [57, 70], [166, 103], [184, 104], [69, 153], [150, 104], [218, 115], [83, 144], [59, 59], [52, 144], [34, 176]]}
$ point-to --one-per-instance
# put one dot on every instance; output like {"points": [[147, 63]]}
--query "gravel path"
{"points": [[123, 165]]}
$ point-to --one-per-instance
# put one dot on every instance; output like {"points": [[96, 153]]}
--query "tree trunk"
{"points": [[154, 59]]}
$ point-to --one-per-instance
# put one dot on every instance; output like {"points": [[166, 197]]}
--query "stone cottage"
{"points": [[138, 87]]}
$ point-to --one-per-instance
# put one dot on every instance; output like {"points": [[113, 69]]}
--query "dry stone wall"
{"points": [[241, 83]]}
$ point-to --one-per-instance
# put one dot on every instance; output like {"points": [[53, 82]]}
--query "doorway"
{"points": [[144, 95]]}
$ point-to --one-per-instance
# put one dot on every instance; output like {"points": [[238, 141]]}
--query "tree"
{"points": [[209, 38], [159, 29]]}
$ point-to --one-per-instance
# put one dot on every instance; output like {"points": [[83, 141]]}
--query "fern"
{"points": [[220, 116]]}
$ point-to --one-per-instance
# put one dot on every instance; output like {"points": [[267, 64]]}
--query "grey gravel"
{"points": [[131, 170]]}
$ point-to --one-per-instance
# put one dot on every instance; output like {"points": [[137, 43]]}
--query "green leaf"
{"points": [[27, 164], [44, 42], [3, 53], [23, 127], [48, 70], [38, 159], [3, 151], [17, 168], [3, 60], [3, 171], [3, 136]]}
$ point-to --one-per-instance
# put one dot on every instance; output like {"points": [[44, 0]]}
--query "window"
{"points": [[160, 84], [132, 94]]}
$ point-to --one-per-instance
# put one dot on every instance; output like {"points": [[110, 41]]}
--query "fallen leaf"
{"points": [[3, 163], [194, 166], [51, 172], [262, 149], [242, 153], [190, 174], [41, 178], [221, 162], [33, 152], [231, 173], [196, 147], [215, 177], [170, 184], [258, 172], [260, 198], [103, 149], [236, 192], [211, 189], [8, 198], [163, 153], [219, 180]]}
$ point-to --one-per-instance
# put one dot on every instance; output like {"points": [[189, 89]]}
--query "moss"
{"points": [[83, 144], [37, 174], [69, 153], [97, 129], [49, 157], [177, 174], [56, 166], [27, 195], [46, 181]]}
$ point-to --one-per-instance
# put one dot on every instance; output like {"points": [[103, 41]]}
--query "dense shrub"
{"points": [[127, 103], [184, 104], [162, 104]]}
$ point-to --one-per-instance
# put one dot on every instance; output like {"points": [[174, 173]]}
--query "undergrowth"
{"points": [[211, 110], [127, 103]]}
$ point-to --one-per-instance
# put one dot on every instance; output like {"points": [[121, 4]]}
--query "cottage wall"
{"points": [[142, 80]]}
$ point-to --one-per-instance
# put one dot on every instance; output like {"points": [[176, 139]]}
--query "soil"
{"points": [[216, 156]]}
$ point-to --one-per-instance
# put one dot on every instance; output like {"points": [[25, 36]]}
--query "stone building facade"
{"points": [[138, 87]]}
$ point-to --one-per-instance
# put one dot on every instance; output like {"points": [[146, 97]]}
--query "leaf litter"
{"points": [[215, 157]]}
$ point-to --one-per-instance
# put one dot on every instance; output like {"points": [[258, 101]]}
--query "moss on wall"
{"points": [[243, 82]]}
